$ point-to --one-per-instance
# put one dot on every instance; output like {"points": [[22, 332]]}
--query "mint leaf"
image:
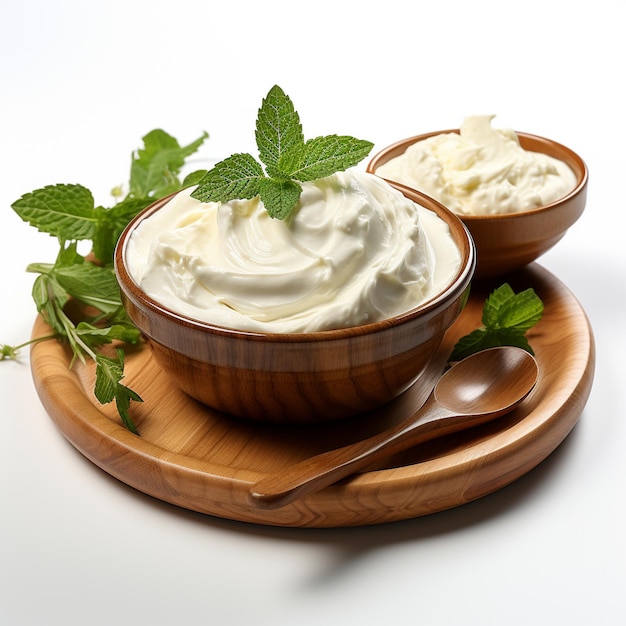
{"points": [[279, 196], [123, 398], [94, 336], [193, 178], [71, 276], [109, 373], [64, 211], [522, 311], [93, 285], [482, 339], [278, 129], [506, 318], [287, 159], [50, 298], [324, 156], [506, 309], [155, 167], [238, 176], [66, 256], [111, 222], [496, 300]]}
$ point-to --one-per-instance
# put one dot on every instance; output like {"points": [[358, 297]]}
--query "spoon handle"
{"points": [[317, 472], [480, 388]]}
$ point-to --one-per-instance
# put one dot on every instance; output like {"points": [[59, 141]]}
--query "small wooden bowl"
{"points": [[508, 242], [298, 378]]}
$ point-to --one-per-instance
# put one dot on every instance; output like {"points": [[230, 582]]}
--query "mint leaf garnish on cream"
{"points": [[287, 157]]}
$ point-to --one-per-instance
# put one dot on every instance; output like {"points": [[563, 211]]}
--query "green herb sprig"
{"points": [[507, 317], [289, 160], [69, 213]]}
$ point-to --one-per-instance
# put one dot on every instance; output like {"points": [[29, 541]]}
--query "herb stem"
{"points": [[10, 352]]}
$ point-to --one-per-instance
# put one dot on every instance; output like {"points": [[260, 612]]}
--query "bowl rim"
{"points": [[455, 288], [573, 156]]}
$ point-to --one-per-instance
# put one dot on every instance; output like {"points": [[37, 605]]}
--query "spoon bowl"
{"points": [[490, 382], [480, 388]]}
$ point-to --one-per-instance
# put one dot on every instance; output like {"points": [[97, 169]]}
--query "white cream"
{"points": [[482, 171], [354, 251]]}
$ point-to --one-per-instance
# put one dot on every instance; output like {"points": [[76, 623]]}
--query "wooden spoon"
{"points": [[481, 387]]}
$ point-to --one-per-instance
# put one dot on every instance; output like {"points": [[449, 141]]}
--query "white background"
{"points": [[81, 82]]}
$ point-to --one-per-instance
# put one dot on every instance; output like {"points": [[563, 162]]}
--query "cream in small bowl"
{"points": [[331, 312], [517, 193]]}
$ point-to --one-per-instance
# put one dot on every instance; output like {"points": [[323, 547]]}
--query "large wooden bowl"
{"points": [[299, 378], [508, 242]]}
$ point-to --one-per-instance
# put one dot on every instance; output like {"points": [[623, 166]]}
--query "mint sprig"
{"points": [[507, 317], [288, 159], [69, 213], [155, 168]]}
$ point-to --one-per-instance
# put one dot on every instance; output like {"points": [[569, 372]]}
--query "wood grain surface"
{"points": [[204, 461]]}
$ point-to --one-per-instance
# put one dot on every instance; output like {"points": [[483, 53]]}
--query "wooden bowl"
{"points": [[298, 378], [507, 242]]}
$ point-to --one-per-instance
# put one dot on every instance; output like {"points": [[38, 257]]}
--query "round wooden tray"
{"points": [[198, 459]]}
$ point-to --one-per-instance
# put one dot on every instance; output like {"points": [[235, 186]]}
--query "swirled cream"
{"points": [[354, 251], [481, 171]]}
